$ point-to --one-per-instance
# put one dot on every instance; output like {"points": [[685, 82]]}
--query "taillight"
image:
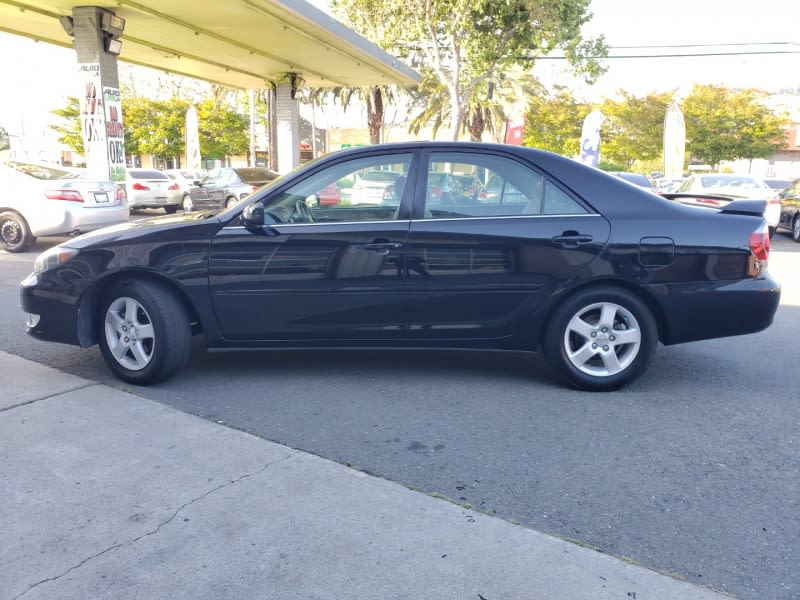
{"points": [[67, 195], [120, 195], [436, 192], [173, 187], [774, 200], [142, 188], [759, 243], [255, 188]]}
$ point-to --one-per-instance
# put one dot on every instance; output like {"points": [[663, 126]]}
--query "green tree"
{"points": [[466, 42], [487, 110], [69, 129], [154, 127], [724, 124], [554, 122], [223, 130], [634, 127]]}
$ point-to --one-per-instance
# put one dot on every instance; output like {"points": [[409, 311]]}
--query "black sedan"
{"points": [[225, 187], [790, 209], [576, 263]]}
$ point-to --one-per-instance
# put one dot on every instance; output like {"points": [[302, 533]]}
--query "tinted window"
{"points": [[147, 175], [503, 187], [256, 175], [312, 200]]}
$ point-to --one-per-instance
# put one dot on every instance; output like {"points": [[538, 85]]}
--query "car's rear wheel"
{"points": [[145, 332], [600, 339], [15, 234], [187, 203], [230, 201], [796, 228]]}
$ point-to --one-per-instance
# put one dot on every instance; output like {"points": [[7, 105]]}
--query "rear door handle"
{"points": [[571, 239]]}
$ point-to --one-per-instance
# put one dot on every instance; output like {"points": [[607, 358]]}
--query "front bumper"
{"points": [[52, 317]]}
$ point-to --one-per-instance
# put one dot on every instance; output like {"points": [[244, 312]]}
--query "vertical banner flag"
{"points": [[590, 138], [115, 136], [93, 121], [515, 130], [674, 140], [192, 140]]}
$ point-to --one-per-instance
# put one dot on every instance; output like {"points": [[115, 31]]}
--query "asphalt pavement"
{"points": [[105, 494]]}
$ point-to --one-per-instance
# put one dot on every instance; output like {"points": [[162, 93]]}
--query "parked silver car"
{"points": [[732, 186], [41, 199]]}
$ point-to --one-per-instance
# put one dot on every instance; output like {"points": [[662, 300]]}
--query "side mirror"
{"points": [[253, 215], [312, 201]]}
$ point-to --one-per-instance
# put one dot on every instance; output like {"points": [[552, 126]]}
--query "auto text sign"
{"points": [[115, 137], [101, 126], [93, 121]]}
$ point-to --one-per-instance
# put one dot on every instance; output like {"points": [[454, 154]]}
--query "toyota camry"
{"points": [[561, 258]]}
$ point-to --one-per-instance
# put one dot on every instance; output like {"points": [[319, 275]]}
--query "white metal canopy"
{"points": [[239, 43]]}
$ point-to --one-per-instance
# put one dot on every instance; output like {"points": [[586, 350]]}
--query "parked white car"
{"points": [[149, 188], [733, 186], [41, 199]]}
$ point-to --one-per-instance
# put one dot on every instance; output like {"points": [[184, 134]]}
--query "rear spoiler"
{"points": [[725, 204]]}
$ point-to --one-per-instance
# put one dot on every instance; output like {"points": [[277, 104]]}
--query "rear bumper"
{"points": [[81, 219], [700, 311]]}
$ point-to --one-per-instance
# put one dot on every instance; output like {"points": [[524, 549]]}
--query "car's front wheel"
{"points": [[15, 235], [600, 339], [145, 333], [796, 228]]}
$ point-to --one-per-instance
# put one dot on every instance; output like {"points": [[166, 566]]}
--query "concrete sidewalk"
{"points": [[106, 495]]}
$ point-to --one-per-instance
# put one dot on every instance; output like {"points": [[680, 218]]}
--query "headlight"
{"points": [[53, 257]]}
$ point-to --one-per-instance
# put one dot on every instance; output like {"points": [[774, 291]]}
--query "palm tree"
{"points": [[487, 109]]}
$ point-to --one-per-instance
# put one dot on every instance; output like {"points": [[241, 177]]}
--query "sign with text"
{"points": [[115, 136], [101, 126]]}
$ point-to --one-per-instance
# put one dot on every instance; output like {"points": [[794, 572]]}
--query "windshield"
{"points": [[44, 172]]}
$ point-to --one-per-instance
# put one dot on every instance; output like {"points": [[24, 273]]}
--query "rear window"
{"points": [[386, 176], [255, 175], [44, 172], [710, 181], [147, 175]]}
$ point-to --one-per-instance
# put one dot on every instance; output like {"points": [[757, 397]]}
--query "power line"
{"points": [[680, 55], [705, 45]]}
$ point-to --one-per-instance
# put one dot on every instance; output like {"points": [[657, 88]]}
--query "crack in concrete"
{"points": [[160, 525], [61, 393]]}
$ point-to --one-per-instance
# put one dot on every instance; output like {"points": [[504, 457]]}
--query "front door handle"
{"points": [[381, 247]]}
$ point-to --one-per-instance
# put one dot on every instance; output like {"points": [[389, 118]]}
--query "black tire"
{"points": [[144, 331], [771, 232], [626, 337], [171, 210], [187, 203], [796, 228], [230, 201], [15, 234]]}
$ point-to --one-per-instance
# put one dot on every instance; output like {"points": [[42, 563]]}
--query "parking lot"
{"points": [[694, 470]]}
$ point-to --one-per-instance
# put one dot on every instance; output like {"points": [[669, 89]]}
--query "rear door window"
{"points": [[502, 187]]}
